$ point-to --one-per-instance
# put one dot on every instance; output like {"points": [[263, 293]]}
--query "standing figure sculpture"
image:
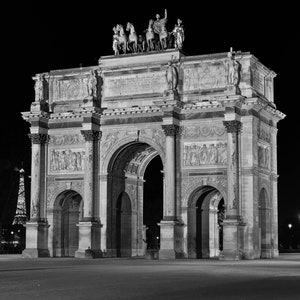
{"points": [[233, 69], [159, 27], [178, 33], [92, 84], [39, 87], [172, 77], [115, 43], [132, 38]]}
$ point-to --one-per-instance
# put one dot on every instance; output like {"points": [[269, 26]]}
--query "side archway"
{"points": [[204, 222], [67, 211], [265, 224]]}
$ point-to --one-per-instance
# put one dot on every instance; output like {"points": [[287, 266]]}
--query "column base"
{"points": [[89, 240], [167, 254], [36, 239], [88, 254], [35, 253], [230, 255], [168, 235], [231, 249]]}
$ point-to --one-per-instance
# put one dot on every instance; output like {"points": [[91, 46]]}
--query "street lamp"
{"points": [[290, 242]]}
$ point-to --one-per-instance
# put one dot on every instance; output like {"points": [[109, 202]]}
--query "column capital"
{"points": [[233, 126], [39, 138], [171, 130], [91, 135]]}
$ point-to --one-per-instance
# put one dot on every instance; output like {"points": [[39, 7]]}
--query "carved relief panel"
{"points": [[66, 160], [264, 156], [134, 84], [77, 87], [66, 154], [208, 75], [204, 153]]}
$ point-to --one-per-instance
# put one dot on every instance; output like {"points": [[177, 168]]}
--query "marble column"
{"points": [[232, 220], [274, 193], [89, 228], [37, 226], [168, 224]]}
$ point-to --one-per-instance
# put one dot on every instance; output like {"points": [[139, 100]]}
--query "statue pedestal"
{"points": [[231, 240], [36, 239], [167, 239], [89, 240]]}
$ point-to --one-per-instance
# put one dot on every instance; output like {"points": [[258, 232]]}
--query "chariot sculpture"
{"points": [[154, 38]]}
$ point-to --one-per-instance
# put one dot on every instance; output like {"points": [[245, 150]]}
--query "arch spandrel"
{"points": [[192, 186], [56, 188], [121, 144]]}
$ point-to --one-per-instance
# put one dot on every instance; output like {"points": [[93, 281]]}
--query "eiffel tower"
{"points": [[20, 215]]}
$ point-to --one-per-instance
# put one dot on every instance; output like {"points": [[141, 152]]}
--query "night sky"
{"points": [[40, 36]]}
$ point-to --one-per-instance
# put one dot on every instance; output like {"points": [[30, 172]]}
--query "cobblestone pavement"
{"points": [[69, 278]]}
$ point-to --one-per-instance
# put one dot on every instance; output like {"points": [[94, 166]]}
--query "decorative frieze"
{"points": [[66, 160], [233, 126], [199, 153], [38, 138], [66, 139], [194, 131]]}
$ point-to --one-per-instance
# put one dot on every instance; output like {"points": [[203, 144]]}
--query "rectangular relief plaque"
{"points": [[206, 76], [135, 84], [66, 160], [197, 154]]}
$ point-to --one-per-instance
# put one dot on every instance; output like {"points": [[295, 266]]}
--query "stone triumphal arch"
{"points": [[155, 151]]}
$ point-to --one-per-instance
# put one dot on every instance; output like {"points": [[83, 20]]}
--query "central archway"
{"points": [[205, 216], [130, 171]]}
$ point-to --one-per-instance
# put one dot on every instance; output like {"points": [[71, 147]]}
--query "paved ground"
{"points": [[68, 278]]}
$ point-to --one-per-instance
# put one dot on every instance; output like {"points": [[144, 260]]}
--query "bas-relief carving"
{"points": [[189, 184], [75, 88], [199, 153], [264, 134], [134, 84], [131, 191], [110, 139], [264, 157], [157, 135], [66, 160], [206, 76], [54, 188], [66, 139], [34, 212], [202, 131]]}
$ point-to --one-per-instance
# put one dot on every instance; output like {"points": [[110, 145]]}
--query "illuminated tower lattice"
{"points": [[20, 216]]}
